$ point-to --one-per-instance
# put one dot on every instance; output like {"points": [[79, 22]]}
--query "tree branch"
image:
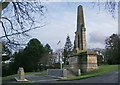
{"points": [[18, 33]]}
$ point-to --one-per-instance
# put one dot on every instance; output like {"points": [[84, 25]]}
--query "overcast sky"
{"points": [[61, 19]]}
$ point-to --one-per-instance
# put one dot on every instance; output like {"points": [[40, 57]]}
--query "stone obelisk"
{"points": [[80, 38]]}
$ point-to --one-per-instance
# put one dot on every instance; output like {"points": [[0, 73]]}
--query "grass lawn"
{"points": [[40, 74], [102, 70], [11, 76]]}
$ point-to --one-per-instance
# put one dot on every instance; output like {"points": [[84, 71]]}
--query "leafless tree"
{"points": [[18, 18], [111, 6]]}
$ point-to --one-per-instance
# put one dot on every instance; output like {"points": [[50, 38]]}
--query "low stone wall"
{"points": [[73, 69], [60, 73]]}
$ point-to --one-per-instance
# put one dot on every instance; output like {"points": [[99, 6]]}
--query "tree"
{"points": [[67, 49], [6, 53], [112, 48], [111, 6], [34, 50], [29, 57], [20, 21], [48, 48]]}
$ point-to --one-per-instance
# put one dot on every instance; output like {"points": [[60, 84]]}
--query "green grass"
{"points": [[101, 71], [14, 75], [41, 74], [11, 76]]}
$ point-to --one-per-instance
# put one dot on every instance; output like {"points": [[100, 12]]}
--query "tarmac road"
{"points": [[113, 77]]}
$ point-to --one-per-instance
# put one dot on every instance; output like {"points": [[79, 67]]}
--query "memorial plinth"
{"points": [[86, 61]]}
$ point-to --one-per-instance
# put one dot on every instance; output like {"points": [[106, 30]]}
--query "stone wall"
{"points": [[60, 73]]}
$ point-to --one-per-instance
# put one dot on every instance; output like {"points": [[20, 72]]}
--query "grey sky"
{"points": [[61, 20]]}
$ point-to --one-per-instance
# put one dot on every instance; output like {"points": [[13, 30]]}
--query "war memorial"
{"points": [[82, 60]]}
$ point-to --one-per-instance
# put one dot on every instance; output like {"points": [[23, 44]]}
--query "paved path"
{"points": [[107, 78], [32, 78], [36, 78]]}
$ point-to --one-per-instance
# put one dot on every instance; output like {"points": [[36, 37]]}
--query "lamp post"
{"points": [[60, 59]]}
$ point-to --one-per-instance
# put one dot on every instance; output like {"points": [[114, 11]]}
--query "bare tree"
{"points": [[18, 18], [111, 6]]}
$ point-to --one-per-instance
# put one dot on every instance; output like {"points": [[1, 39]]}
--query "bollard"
{"points": [[79, 72]]}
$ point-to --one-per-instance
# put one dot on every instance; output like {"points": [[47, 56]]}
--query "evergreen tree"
{"points": [[29, 57], [48, 48], [112, 49], [67, 49], [33, 52]]}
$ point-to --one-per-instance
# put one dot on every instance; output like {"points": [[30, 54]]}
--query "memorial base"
{"points": [[20, 80]]}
